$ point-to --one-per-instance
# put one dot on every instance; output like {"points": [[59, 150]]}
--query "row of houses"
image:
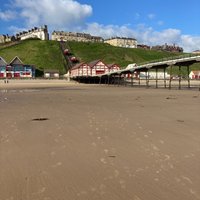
{"points": [[36, 32], [6, 38], [167, 47], [42, 33], [122, 42], [93, 68], [71, 36], [16, 69]]}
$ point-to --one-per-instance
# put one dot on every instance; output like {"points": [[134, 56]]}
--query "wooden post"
{"points": [[119, 79], [132, 79], [179, 74], [156, 77], [165, 77], [108, 79], [147, 79], [139, 78], [125, 80], [114, 81], [100, 80], [170, 80], [188, 75]]}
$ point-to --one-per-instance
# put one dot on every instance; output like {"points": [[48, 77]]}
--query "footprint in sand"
{"points": [[116, 173], [103, 160], [122, 184], [57, 164], [106, 151], [53, 153], [94, 144]]}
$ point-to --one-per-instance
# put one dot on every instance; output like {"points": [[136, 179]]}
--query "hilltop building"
{"points": [[143, 46], [6, 38], [79, 37], [40, 33], [166, 47], [122, 42], [196, 52]]}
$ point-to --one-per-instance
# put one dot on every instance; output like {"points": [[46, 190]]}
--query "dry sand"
{"points": [[98, 143]]}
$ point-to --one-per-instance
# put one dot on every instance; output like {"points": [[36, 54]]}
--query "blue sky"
{"points": [[151, 22]]}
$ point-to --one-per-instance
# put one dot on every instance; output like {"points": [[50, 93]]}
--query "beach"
{"points": [[61, 140]]}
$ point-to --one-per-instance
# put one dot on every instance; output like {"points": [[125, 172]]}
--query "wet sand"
{"points": [[98, 142]]}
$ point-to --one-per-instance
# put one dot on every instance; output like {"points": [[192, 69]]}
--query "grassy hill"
{"points": [[42, 54], [48, 55], [122, 56]]}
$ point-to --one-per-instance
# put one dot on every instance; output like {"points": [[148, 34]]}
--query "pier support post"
{"points": [[139, 79], [132, 79], [100, 80], [165, 77], [156, 77], [170, 79], [147, 78], [188, 75], [108, 79], [114, 79], [179, 77], [119, 78]]}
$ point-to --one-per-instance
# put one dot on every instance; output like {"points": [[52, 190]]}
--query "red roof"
{"points": [[93, 63], [78, 65], [112, 65]]}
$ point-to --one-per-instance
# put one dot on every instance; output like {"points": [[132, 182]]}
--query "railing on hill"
{"points": [[63, 46], [9, 44]]}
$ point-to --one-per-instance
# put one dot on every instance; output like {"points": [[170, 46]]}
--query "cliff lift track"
{"points": [[63, 46]]}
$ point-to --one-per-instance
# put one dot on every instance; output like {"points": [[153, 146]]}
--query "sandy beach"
{"points": [[67, 141]]}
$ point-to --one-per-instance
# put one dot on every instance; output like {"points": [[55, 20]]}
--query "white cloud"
{"points": [[55, 13], [190, 43], [7, 15], [151, 16], [15, 29], [160, 23], [70, 15], [146, 35], [137, 16], [109, 30]]}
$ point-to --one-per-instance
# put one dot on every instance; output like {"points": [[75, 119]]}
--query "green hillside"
{"points": [[123, 56], [42, 54], [87, 52], [48, 54]]}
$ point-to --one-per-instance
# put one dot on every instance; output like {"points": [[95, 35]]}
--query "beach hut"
{"points": [[81, 69], [17, 69], [113, 67], [51, 73], [98, 67], [3, 65], [194, 75]]}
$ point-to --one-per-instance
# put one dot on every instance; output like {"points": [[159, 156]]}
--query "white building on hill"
{"points": [[122, 42], [41, 33]]}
